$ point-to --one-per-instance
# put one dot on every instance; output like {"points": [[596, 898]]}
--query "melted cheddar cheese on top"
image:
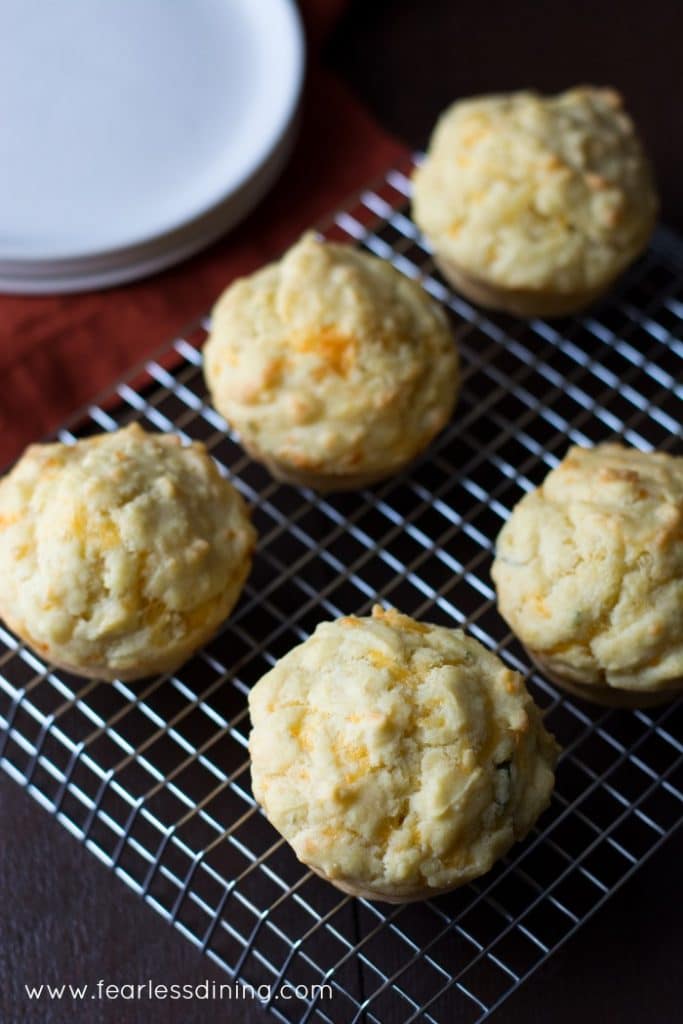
{"points": [[537, 193], [120, 554], [396, 757], [589, 568], [331, 361]]}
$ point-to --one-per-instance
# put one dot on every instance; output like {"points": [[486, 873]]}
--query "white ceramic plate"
{"points": [[128, 126], [128, 264]]}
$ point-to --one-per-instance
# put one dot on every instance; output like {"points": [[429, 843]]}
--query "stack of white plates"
{"points": [[135, 132]]}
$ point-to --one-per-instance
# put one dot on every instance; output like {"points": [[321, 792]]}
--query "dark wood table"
{"points": [[63, 917], [408, 59]]}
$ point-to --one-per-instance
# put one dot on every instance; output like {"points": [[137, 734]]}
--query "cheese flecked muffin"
{"points": [[399, 759], [589, 574], [120, 554], [535, 204], [334, 368]]}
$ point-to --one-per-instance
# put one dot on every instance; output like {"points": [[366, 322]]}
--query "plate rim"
{"points": [[23, 264]]}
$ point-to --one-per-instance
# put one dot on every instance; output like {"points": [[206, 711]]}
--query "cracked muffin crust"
{"points": [[589, 574], [535, 204], [334, 368], [120, 554], [399, 759]]}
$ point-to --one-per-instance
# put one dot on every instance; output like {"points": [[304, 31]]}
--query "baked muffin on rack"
{"points": [[535, 204], [589, 574], [120, 554], [399, 759], [334, 368]]}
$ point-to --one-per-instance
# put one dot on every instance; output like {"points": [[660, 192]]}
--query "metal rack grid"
{"points": [[152, 777]]}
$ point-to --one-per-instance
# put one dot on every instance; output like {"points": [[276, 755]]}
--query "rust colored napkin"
{"points": [[57, 352]]}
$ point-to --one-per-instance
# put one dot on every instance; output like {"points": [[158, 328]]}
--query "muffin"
{"points": [[398, 759], [589, 574], [120, 554], [334, 368], [535, 204]]}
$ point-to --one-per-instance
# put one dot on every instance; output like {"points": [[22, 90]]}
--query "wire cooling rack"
{"points": [[153, 777]]}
